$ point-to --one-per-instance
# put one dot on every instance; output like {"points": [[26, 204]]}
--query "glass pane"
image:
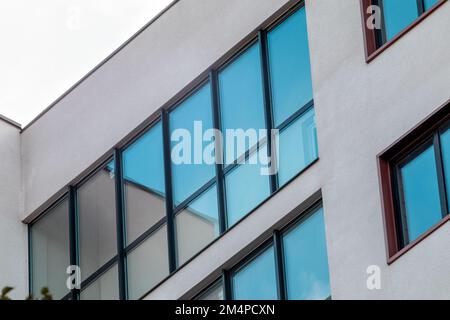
{"points": [[143, 170], [188, 122], [445, 146], [246, 187], [257, 280], [290, 72], [148, 264], [215, 292], [398, 15], [429, 4], [197, 225], [298, 147], [50, 251], [97, 222], [104, 288], [421, 193], [306, 262], [241, 99]]}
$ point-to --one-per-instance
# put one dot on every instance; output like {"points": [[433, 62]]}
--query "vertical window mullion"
{"points": [[73, 236], [227, 286], [440, 174], [220, 181], [279, 265], [168, 187], [420, 7], [403, 221], [120, 222], [262, 36]]}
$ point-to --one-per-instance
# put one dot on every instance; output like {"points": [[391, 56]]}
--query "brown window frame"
{"points": [[405, 146], [372, 46]]}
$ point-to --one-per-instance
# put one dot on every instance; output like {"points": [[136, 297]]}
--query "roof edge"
{"points": [[98, 66], [11, 122]]}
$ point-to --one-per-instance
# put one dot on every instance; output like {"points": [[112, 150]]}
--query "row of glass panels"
{"points": [[241, 97]]}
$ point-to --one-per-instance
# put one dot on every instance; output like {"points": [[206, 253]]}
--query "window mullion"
{"points": [[268, 105], [168, 188], [420, 7], [120, 221], [440, 174], [73, 236], [279, 264], [220, 181], [227, 286]]}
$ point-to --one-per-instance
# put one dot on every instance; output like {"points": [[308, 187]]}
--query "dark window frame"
{"points": [[258, 36], [375, 40], [425, 134], [275, 240]]}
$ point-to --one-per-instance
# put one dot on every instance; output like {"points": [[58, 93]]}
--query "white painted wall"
{"points": [[361, 109], [13, 233]]}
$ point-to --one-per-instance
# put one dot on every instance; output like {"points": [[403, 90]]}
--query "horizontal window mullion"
{"points": [[147, 234], [194, 196], [97, 274], [296, 115]]}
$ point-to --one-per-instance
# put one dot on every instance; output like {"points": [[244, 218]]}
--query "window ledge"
{"points": [[418, 240]]}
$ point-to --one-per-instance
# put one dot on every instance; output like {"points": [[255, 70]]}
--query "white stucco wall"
{"points": [[361, 109], [13, 233]]}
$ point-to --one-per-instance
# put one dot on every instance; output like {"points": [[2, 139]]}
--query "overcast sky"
{"points": [[48, 45]]}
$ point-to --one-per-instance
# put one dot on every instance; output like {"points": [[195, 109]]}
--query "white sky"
{"points": [[48, 45]]}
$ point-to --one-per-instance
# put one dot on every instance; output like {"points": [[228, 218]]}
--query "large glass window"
{"points": [[50, 251], [257, 279], [105, 287], [298, 146], [97, 221], [246, 187], [421, 193], [290, 72], [306, 261], [144, 187], [188, 122], [445, 144], [241, 99], [214, 292], [197, 225], [148, 264]]}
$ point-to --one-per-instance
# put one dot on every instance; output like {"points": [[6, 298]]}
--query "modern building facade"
{"points": [[358, 207]]}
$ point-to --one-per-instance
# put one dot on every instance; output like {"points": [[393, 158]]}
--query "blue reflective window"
{"points": [[445, 146], [429, 4], [241, 96], [398, 15], [246, 187], [306, 261], [421, 193], [188, 122], [297, 146], [257, 279], [144, 187], [290, 72], [197, 225]]}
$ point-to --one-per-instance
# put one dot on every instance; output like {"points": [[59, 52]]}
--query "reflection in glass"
{"points": [[144, 187], [445, 146], [398, 15], [197, 225], [298, 147], [290, 72], [50, 251], [188, 122], [215, 292], [257, 279], [97, 221], [429, 4], [106, 287], [241, 97], [148, 264], [421, 193], [306, 262], [246, 187]]}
